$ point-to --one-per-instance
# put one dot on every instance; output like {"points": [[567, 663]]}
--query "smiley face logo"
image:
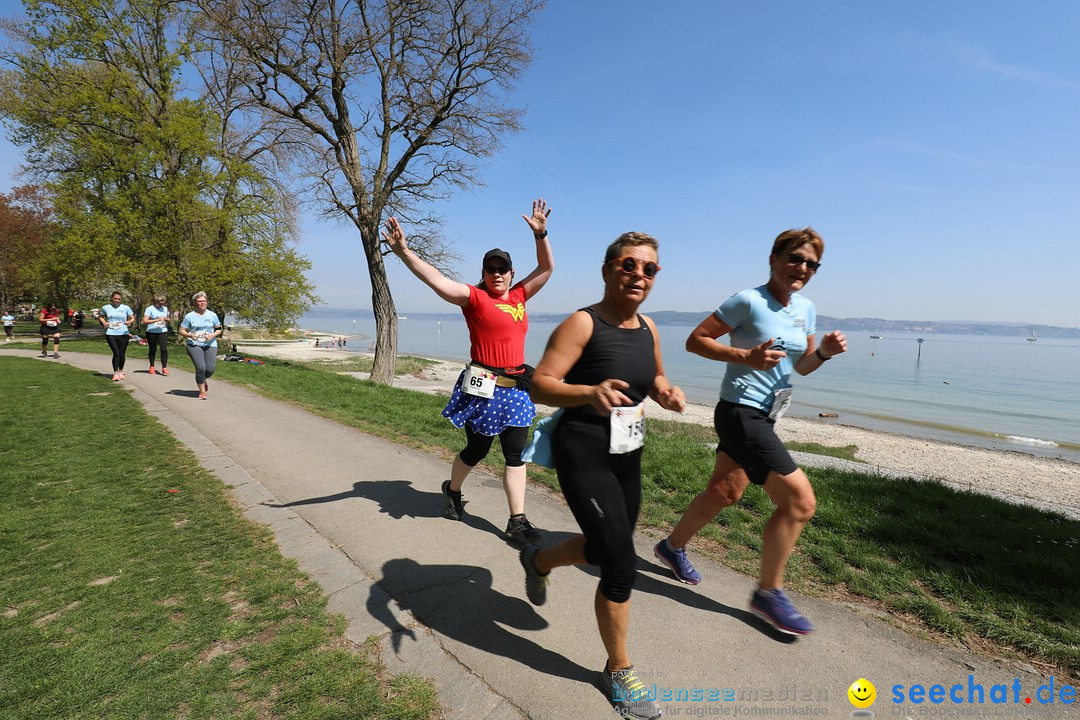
{"points": [[862, 693]]}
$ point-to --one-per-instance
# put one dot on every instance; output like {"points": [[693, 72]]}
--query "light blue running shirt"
{"points": [[205, 323], [117, 318], [9, 320], [755, 316], [156, 315]]}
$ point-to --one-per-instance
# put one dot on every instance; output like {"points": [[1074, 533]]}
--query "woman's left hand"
{"points": [[672, 399], [833, 343], [538, 221]]}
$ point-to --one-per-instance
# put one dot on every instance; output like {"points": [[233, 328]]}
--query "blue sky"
{"points": [[934, 145]]}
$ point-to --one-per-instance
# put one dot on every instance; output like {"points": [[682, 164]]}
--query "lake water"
{"points": [[998, 392]]}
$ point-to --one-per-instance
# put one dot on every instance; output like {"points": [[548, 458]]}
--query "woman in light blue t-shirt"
{"points": [[772, 334], [117, 319], [156, 321], [201, 328]]}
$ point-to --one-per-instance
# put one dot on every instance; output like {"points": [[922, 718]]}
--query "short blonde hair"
{"points": [[795, 239], [157, 299], [200, 294]]}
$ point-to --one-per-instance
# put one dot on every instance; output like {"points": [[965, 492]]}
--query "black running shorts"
{"points": [[749, 437]]}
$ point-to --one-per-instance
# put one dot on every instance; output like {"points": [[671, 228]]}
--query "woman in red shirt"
{"points": [[487, 400], [49, 317]]}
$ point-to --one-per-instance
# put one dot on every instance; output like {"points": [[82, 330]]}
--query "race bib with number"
{"points": [[781, 401], [478, 382], [51, 323], [116, 325], [627, 429]]}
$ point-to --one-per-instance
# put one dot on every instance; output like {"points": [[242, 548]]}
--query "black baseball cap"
{"points": [[497, 253]]}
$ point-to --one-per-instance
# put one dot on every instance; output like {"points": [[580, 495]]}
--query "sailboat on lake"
{"points": [[1031, 335]]}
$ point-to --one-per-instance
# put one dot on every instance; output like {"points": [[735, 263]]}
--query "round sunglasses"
{"points": [[630, 265]]}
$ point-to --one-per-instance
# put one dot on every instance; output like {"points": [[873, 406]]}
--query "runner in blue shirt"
{"points": [[201, 328], [773, 333], [9, 324], [117, 319], [156, 321]]}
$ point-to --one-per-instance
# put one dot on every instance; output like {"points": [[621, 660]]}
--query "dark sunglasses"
{"points": [[496, 269], [630, 265], [796, 259]]}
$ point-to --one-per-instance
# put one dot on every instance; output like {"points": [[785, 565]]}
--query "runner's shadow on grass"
{"points": [[459, 602], [398, 499], [686, 595]]}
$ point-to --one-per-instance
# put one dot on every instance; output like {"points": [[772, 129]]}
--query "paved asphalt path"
{"points": [[446, 599]]}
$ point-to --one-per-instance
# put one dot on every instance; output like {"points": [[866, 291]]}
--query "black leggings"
{"points": [[477, 445], [604, 494], [154, 340], [118, 344]]}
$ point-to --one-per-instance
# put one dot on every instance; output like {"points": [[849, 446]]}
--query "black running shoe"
{"points": [[535, 583], [455, 505], [520, 530]]}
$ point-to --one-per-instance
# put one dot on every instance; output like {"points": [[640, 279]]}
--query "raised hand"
{"points": [[394, 237], [763, 357], [538, 220]]}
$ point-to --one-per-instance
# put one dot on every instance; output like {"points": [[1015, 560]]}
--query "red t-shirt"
{"points": [[497, 327]]}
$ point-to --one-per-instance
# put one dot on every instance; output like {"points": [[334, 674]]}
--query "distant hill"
{"points": [[873, 326]]}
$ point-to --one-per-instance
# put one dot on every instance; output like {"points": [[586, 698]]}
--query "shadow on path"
{"points": [[399, 499], [458, 601]]}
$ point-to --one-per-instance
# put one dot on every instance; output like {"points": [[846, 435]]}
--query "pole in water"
{"points": [[919, 358]]}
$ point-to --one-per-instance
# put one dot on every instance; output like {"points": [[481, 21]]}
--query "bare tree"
{"points": [[394, 99]]}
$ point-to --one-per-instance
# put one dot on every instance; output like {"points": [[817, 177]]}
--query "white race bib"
{"points": [[50, 323], [781, 401], [116, 324], [478, 382], [627, 429]]}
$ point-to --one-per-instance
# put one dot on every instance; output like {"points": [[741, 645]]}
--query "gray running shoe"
{"points": [[535, 583], [628, 694], [455, 505], [520, 530]]}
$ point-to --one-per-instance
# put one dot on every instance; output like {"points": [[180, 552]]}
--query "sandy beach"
{"points": [[1015, 476]]}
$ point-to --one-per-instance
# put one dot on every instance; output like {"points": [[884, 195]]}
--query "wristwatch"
{"points": [[540, 235]]}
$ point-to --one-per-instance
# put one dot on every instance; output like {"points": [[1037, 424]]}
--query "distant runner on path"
{"points": [[201, 328], [156, 321], [773, 332], [490, 398], [117, 319]]}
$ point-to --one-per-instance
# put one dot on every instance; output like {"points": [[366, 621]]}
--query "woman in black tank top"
{"points": [[600, 365]]}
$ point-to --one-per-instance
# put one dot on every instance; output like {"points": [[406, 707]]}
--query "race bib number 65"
{"points": [[478, 382]]}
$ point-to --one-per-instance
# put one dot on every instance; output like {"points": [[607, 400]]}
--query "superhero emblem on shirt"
{"points": [[518, 313]]}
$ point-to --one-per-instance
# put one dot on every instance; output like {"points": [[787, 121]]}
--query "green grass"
{"points": [[845, 452], [119, 599], [960, 564]]}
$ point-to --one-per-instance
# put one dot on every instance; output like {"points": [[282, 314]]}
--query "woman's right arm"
{"points": [[564, 348], [704, 341], [449, 290]]}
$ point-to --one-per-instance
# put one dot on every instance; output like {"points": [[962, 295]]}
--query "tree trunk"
{"points": [[382, 304]]}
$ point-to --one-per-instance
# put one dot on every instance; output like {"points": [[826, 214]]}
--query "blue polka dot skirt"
{"points": [[509, 407]]}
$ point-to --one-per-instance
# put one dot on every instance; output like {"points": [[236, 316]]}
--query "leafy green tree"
{"points": [[136, 165]]}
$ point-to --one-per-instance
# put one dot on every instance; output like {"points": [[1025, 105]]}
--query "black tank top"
{"points": [[614, 352]]}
